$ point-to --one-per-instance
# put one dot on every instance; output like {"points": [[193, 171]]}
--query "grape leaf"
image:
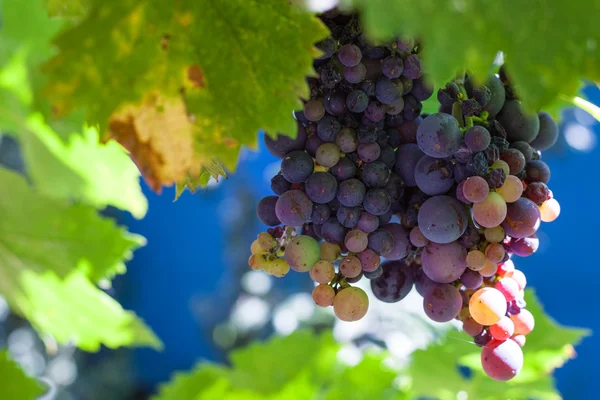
{"points": [[73, 310], [43, 240], [98, 174], [15, 384], [66, 8], [548, 46], [299, 366], [182, 85], [547, 348], [39, 233]]}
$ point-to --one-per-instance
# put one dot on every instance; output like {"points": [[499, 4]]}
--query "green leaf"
{"points": [[548, 46], [66, 8], [74, 310], [212, 170], [38, 234], [43, 240], [95, 173], [182, 85], [547, 348], [15, 384]]}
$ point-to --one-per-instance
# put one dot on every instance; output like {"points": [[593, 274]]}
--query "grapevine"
{"points": [[373, 188]]}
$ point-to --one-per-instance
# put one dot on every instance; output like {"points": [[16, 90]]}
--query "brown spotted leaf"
{"points": [[184, 85]]}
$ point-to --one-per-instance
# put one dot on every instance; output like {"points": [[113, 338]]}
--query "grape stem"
{"points": [[458, 114]]}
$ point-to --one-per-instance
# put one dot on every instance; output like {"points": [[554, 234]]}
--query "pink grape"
{"points": [[350, 266], [356, 241], [522, 218], [471, 327], [491, 211], [444, 263], [502, 360], [519, 277], [503, 329], [508, 287], [526, 246], [489, 269], [475, 189], [323, 295], [524, 322], [417, 238], [550, 210], [495, 252], [442, 302]]}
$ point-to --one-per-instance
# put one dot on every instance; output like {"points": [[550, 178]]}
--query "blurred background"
{"points": [[191, 283]]}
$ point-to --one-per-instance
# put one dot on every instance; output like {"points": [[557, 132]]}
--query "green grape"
{"points": [[277, 267], [330, 251], [302, 252], [350, 304], [494, 235]]}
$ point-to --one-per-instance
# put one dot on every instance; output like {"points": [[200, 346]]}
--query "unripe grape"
{"points": [[351, 304], [487, 306], [330, 251], [322, 272], [302, 252]]}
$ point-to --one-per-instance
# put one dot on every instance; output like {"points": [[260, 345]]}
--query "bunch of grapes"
{"points": [[445, 199]]}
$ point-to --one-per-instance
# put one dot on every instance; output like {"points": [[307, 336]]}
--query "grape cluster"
{"points": [[445, 199]]}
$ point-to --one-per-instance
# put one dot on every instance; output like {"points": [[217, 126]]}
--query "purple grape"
{"points": [[373, 274], [321, 187], [280, 185], [478, 164], [463, 154], [395, 108], [461, 172], [350, 55], [477, 138], [381, 242], [394, 121], [417, 238], [320, 213], [297, 166], [412, 108], [309, 230], [537, 171], [405, 44], [394, 284], [328, 47], [483, 338], [375, 111], [443, 219], [434, 176], [332, 231], [388, 91], [537, 192], [518, 123], [351, 192], [368, 152], [377, 201], [312, 144], [392, 67], [407, 157], [367, 222], [357, 101], [265, 210], [348, 216], [442, 302], [524, 148], [492, 154], [347, 140], [314, 110], [368, 87], [387, 156], [368, 133], [293, 208], [470, 238], [412, 67], [525, 247], [471, 279], [460, 195], [328, 128], [407, 85], [515, 160], [401, 241], [395, 187], [355, 74], [439, 135], [548, 133], [369, 260], [421, 89], [375, 174], [283, 145], [444, 263], [496, 178], [522, 218], [335, 102], [344, 169], [422, 282], [385, 218], [408, 130]]}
